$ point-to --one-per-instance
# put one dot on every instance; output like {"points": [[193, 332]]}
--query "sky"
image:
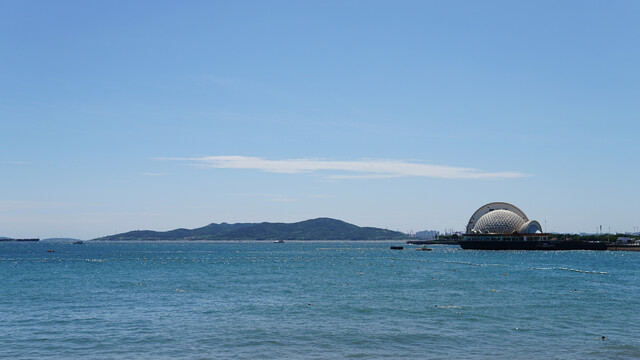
{"points": [[405, 115]]}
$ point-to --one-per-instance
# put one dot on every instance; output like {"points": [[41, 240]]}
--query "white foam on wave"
{"points": [[474, 264], [573, 270]]}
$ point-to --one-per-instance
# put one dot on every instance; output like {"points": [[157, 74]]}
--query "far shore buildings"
{"points": [[428, 234]]}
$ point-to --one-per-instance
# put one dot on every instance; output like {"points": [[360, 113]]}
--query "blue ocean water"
{"points": [[314, 300]]}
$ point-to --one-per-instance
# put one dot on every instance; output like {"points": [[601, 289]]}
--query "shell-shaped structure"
{"points": [[501, 218], [530, 227]]}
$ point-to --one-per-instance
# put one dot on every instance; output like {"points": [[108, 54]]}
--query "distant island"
{"points": [[314, 229]]}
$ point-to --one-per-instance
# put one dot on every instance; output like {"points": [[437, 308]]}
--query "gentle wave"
{"points": [[313, 301]]}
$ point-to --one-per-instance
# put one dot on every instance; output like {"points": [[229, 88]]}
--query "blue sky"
{"points": [[409, 115]]}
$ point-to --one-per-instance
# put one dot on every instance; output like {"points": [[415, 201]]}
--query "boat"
{"points": [[423, 248], [397, 248], [79, 242], [50, 250], [278, 242]]}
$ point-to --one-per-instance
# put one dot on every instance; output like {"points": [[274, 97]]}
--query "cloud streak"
{"points": [[352, 169]]}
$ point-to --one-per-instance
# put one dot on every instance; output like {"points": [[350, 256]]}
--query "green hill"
{"points": [[315, 229], [209, 232]]}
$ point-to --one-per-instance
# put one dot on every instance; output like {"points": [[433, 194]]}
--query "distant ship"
{"points": [[278, 242], [423, 248]]}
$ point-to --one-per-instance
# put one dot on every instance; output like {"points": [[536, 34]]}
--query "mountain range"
{"points": [[314, 229]]}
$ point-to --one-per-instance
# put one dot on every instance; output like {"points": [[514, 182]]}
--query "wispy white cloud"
{"points": [[353, 169]]}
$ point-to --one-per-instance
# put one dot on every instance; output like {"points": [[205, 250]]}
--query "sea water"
{"points": [[314, 300]]}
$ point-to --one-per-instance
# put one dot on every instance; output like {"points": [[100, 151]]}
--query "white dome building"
{"points": [[501, 218], [500, 225]]}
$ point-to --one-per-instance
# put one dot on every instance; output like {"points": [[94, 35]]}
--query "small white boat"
{"points": [[278, 242]]}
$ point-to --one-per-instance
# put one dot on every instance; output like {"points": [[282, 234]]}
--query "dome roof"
{"points": [[491, 207], [499, 221], [501, 218]]}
